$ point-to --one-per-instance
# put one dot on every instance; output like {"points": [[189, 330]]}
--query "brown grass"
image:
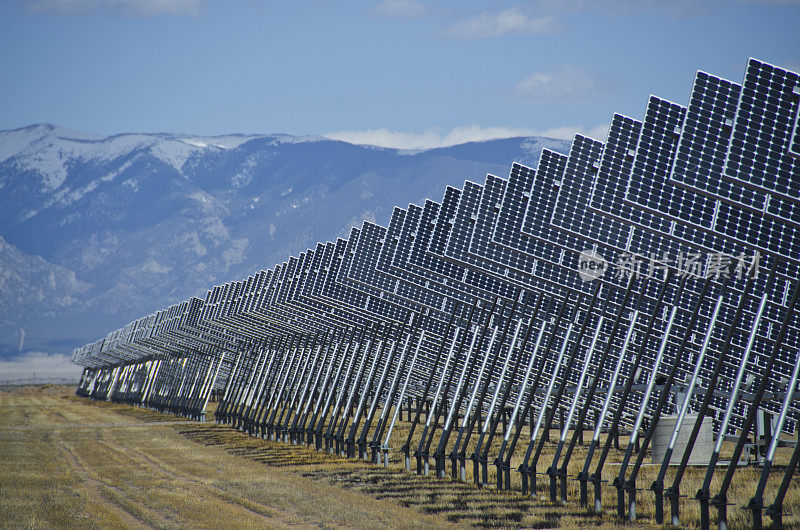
{"points": [[193, 474], [70, 463]]}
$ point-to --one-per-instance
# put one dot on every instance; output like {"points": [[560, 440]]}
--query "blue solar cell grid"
{"points": [[546, 268], [392, 245], [761, 153]]}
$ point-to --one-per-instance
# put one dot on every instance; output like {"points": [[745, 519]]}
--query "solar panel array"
{"points": [[652, 273]]}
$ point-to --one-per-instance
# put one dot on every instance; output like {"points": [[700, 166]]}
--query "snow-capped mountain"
{"points": [[95, 231]]}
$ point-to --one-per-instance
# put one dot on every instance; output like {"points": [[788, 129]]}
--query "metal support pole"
{"points": [[393, 340], [297, 431], [457, 356], [325, 389], [219, 413], [354, 389], [371, 392], [319, 425], [528, 466], [299, 385], [673, 492], [468, 366], [561, 473], [421, 453], [630, 484], [537, 365], [330, 434], [252, 415], [485, 389], [584, 477], [501, 410], [775, 510], [366, 389], [422, 400], [458, 463], [477, 458], [309, 382], [527, 477], [720, 501], [756, 504], [292, 387], [278, 389], [380, 428], [385, 447], [503, 470], [658, 485], [278, 355]]}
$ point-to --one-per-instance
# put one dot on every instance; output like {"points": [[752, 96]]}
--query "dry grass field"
{"points": [[70, 462]]}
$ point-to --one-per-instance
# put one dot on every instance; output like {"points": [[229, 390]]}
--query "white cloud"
{"points": [[598, 132], [404, 9], [433, 137], [138, 8], [151, 266], [45, 366], [565, 84], [236, 253], [510, 22]]}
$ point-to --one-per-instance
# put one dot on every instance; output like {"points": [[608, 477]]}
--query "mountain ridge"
{"points": [[131, 222]]}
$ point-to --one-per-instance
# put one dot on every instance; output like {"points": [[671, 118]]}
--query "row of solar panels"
{"points": [[668, 254]]}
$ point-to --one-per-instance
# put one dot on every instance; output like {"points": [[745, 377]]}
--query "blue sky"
{"points": [[403, 73]]}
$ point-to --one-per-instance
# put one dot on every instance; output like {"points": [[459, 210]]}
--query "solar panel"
{"points": [[548, 185], [614, 164], [764, 144], [363, 268], [480, 230], [461, 228], [701, 186], [430, 240], [615, 159], [548, 272], [395, 247], [702, 140], [703, 147]]}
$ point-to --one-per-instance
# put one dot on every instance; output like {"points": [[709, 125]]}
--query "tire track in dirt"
{"points": [[109, 501], [130, 453], [262, 511], [464, 507]]}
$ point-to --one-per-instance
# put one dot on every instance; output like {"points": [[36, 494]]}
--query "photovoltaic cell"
{"points": [[761, 154], [719, 175], [365, 269], [612, 176], [434, 270], [428, 250], [723, 209], [580, 170], [462, 227], [704, 144], [544, 262]]}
